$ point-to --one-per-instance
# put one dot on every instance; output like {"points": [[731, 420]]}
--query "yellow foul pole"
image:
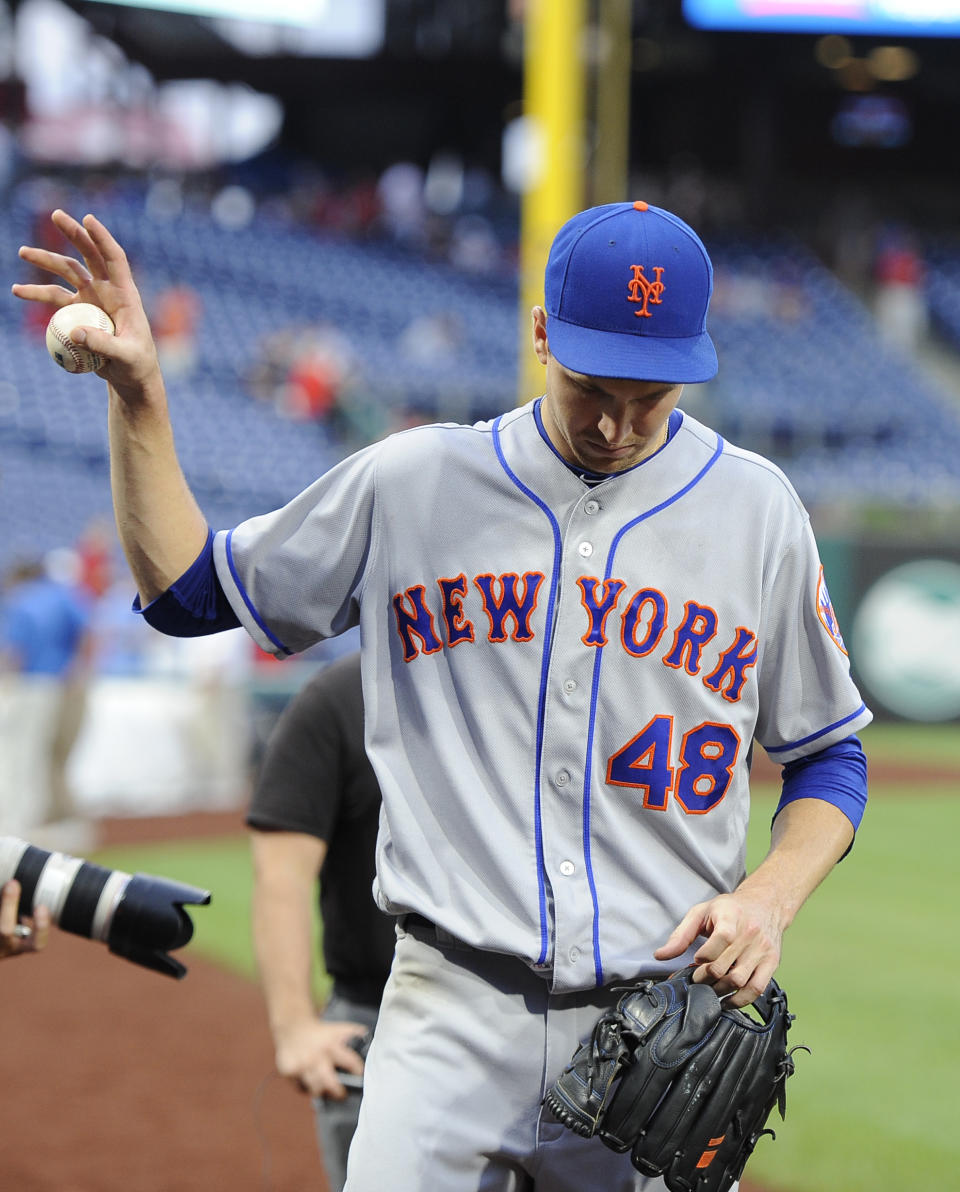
{"points": [[611, 91], [554, 108]]}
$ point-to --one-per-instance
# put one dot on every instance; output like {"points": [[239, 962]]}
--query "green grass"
{"points": [[936, 744], [872, 976], [222, 866], [870, 966]]}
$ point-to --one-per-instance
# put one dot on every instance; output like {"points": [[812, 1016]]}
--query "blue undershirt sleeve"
{"points": [[837, 774], [195, 604]]}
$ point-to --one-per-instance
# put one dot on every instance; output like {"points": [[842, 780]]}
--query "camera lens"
{"points": [[138, 917]]}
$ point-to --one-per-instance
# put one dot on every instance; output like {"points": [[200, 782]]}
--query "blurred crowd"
{"points": [[101, 715]]}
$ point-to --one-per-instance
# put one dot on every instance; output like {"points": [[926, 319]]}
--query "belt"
{"points": [[412, 919], [423, 928]]}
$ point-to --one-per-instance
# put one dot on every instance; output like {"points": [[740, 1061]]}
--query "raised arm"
{"points": [[160, 526]]}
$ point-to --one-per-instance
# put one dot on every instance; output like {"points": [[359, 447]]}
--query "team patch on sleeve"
{"points": [[826, 614]]}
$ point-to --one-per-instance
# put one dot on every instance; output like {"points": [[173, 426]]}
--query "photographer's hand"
{"points": [[313, 1052], [16, 936]]}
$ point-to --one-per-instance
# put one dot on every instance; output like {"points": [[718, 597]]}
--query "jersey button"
{"points": [[591, 506], [574, 955], [562, 778], [585, 549], [567, 868], [569, 686]]}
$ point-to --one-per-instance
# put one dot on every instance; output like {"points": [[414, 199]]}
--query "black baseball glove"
{"points": [[680, 1081]]}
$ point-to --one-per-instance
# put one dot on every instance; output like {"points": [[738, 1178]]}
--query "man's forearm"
{"points": [[285, 865], [282, 928], [160, 525], [808, 838], [743, 931]]}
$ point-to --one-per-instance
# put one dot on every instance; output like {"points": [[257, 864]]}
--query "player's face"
{"points": [[605, 424]]}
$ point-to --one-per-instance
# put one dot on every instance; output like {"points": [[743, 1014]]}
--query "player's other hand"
{"points": [[311, 1051], [19, 935], [102, 276], [741, 949]]}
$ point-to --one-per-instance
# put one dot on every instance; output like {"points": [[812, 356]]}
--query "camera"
{"points": [[361, 1045], [137, 916]]}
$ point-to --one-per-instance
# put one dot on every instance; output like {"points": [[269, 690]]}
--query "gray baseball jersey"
{"points": [[562, 682]]}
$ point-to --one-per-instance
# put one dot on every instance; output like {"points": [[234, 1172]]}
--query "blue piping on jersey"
{"points": [[541, 701], [594, 694], [814, 736], [247, 601]]}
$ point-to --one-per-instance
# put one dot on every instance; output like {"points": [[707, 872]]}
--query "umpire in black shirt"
{"points": [[314, 813]]}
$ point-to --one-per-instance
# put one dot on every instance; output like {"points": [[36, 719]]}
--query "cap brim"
{"points": [[684, 360]]}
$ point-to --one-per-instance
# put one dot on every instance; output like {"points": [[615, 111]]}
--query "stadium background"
{"points": [[338, 226]]}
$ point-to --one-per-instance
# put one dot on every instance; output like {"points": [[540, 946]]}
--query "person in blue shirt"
{"points": [[43, 651]]}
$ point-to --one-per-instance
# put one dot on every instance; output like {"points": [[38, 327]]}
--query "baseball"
{"points": [[71, 356]]}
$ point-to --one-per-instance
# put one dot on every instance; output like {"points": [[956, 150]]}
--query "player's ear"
{"points": [[540, 343]]}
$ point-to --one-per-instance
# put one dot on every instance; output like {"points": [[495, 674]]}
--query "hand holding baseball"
{"points": [[72, 357], [104, 280]]}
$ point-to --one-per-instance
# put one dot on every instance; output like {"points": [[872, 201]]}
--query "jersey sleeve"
{"points": [[193, 606], [293, 577], [837, 774], [808, 699]]}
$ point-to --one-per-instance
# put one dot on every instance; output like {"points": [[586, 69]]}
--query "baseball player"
{"points": [[577, 620], [315, 811]]}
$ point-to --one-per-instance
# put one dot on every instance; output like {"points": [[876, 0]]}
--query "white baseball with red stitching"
{"points": [[71, 356]]}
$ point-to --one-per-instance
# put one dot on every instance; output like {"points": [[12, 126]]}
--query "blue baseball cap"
{"points": [[626, 290]]}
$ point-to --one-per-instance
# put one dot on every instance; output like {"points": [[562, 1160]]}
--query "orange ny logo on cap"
{"points": [[641, 289]]}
